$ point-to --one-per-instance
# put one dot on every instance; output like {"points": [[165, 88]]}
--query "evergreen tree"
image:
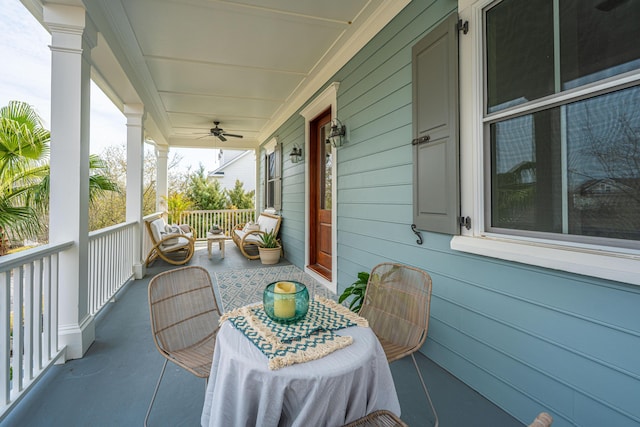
{"points": [[239, 199], [204, 194]]}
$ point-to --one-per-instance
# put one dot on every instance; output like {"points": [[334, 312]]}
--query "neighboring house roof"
{"points": [[219, 172], [609, 185]]}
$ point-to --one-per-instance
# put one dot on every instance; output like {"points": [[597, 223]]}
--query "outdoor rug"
{"points": [[238, 288]]}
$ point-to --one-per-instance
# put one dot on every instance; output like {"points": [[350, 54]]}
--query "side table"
{"points": [[220, 238]]}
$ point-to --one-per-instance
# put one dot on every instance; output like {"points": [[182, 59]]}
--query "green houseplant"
{"points": [[357, 290], [269, 248]]}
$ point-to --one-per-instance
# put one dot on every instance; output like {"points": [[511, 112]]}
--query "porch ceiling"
{"points": [[248, 64]]}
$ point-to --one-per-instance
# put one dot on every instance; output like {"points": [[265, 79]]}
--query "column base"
{"points": [[77, 339], [139, 270]]}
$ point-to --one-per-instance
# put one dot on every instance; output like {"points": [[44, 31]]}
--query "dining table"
{"points": [[246, 388]]}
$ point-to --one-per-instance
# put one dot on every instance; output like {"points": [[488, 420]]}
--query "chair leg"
{"points": [[424, 387], [153, 398]]}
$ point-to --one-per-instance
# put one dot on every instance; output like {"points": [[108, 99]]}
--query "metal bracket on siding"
{"points": [[413, 228], [464, 222], [463, 26]]}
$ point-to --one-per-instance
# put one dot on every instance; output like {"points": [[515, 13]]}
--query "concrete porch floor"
{"points": [[112, 385]]}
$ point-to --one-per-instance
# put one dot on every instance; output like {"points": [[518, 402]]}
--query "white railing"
{"points": [[28, 319], [227, 219], [111, 258]]}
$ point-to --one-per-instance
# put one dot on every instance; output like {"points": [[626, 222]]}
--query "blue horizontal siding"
{"points": [[527, 338]]}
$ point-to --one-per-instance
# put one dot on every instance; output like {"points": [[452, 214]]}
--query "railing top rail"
{"points": [[220, 210], [109, 230], [8, 262], [153, 216]]}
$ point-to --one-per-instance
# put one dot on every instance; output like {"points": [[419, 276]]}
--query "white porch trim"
{"points": [[135, 178], [162, 187], [72, 38], [328, 98]]}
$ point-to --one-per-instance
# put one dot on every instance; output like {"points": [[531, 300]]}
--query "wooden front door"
{"points": [[320, 203]]}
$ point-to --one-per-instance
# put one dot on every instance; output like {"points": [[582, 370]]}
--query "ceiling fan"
{"points": [[220, 133]]}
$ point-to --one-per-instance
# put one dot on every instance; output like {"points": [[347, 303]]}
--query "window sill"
{"points": [[603, 264]]}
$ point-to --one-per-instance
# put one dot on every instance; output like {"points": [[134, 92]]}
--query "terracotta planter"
{"points": [[269, 255]]}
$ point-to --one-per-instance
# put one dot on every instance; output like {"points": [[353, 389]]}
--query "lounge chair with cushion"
{"points": [[172, 243], [246, 236]]}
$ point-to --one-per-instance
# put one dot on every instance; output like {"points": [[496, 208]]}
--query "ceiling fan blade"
{"points": [[232, 135], [222, 138]]}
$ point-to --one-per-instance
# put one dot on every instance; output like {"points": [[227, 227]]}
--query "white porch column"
{"points": [[72, 38], [162, 187], [135, 178]]}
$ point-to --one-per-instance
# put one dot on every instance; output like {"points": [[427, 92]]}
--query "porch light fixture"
{"points": [[337, 132], [296, 154]]}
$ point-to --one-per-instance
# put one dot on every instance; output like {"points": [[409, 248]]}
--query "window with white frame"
{"points": [[561, 120], [272, 176]]}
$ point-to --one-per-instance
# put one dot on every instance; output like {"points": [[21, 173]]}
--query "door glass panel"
{"points": [[325, 179]]}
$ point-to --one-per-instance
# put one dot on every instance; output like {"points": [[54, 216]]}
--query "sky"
{"points": [[25, 75]]}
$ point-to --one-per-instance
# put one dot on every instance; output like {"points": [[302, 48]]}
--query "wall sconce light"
{"points": [[337, 132], [296, 154]]}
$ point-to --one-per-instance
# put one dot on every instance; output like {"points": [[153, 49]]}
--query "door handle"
{"points": [[420, 140]]}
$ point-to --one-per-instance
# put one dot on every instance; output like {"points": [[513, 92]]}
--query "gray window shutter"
{"points": [[436, 183]]}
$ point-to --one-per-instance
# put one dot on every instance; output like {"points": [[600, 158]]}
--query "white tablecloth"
{"points": [[331, 391]]}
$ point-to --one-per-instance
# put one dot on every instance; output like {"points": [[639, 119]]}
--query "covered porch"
{"points": [[535, 313], [113, 383]]}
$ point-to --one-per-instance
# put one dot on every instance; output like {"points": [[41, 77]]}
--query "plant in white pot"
{"points": [[269, 248]]}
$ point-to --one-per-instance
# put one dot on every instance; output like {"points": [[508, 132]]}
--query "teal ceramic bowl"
{"points": [[286, 301]]}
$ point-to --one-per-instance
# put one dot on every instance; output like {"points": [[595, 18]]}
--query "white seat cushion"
{"points": [[267, 223], [157, 228], [251, 238], [161, 230], [178, 242]]}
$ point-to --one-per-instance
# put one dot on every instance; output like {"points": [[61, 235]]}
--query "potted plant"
{"points": [[269, 248], [357, 290]]}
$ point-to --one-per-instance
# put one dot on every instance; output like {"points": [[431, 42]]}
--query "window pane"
{"points": [[526, 174], [598, 40], [519, 44], [270, 194], [271, 167], [603, 137], [573, 169]]}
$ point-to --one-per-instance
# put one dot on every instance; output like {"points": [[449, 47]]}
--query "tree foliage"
{"points": [[24, 144], [110, 209], [176, 204], [25, 174], [238, 198], [205, 194]]}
